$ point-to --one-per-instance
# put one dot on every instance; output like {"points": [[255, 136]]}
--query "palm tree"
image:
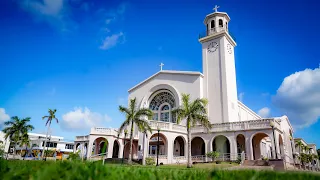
{"points": [[134, 116], [25, 141], [300, 145], [52, 116], [194, 112], [16, 128], [145, 135]]}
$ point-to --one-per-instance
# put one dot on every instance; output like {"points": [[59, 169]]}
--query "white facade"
{"points": [[236, 128], [5, 142], [55, 143]]}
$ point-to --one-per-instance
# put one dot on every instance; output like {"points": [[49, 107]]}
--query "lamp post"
{"points": [[158, 146], [274, 138], [125, 136]]}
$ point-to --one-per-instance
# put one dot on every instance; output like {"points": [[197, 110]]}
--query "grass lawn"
{"points": [[47, 170]]}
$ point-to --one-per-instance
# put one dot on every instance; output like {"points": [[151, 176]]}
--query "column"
{"points": [[248, 146], [169, 150], [110, 147], [233, 148], [89, 149], [272, 143]]}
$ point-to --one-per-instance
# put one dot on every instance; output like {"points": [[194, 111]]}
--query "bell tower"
{"points": [[218, 63]]}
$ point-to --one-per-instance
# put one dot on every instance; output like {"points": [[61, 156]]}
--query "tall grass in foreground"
{"points": [[91, 171]]}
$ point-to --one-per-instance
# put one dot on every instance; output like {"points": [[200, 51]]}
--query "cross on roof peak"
{"points": [[216, 8], [161, 64]]}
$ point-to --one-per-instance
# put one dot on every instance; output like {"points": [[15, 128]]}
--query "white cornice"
{"points": [[216, 35], [193, 73], [216, 14]]}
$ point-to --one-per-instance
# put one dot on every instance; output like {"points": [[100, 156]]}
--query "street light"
{"points": [[274, 138], [125, 136], [158, 128]]}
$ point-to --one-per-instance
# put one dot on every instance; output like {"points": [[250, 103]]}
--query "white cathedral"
{"points": [[236, 128]]}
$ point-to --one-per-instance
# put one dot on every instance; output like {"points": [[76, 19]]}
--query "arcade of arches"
{"points": [[260, 146]]}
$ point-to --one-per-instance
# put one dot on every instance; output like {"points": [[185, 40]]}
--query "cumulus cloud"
{"points": [[3, 116], [83, 119], [264, 112], [111, 41], [299, 97], [53, 12], [241, 96]]}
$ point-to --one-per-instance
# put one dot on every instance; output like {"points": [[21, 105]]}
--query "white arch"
{"points": [[185, 144], [174, 91]]}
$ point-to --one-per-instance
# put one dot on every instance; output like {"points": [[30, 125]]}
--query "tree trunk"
{"points": [[26, 152], [14, 150], [131, 142], [143, 154], [45, 141], [189, 165]]}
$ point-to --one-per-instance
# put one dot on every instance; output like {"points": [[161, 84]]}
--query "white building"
{"points": [[36, 146], [236, 128], [5, 142]]}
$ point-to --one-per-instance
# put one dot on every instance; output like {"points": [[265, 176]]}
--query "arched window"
{"points": [[165, 113], [220, 23], [161, 105], [212, 24], [226, 26]]}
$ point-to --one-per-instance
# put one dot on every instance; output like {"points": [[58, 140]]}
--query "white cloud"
{"points": [[111, 41], [241, 96], [83, 119], [264, 112], [3, 116], [299, 97], [54, 12]]}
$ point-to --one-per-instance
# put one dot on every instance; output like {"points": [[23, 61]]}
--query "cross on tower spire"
{"points": [[216, 8], [161, 64]]}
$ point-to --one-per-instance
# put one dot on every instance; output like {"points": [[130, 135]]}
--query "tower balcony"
{"points": [[216, 30]]}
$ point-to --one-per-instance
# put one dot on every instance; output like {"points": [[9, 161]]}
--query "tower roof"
{"points": [[216, 14]]}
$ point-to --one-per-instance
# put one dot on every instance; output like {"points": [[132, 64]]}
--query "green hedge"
{"points": [[35, 170]]}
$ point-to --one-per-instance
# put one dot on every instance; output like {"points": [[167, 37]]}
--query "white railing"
{"points": [[179, 157], [104, 131], [160, 156], [82, 138], [236, 126], [198, 158], [167, 126]]}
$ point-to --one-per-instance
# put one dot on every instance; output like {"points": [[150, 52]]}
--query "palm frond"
{"points": [[179, 113], [143, 125], [185, 101], [123, 125], [124, 110], [144, 112], [132, 105]]}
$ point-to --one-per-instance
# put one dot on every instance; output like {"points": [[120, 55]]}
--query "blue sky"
{"points": [[82, 56]]}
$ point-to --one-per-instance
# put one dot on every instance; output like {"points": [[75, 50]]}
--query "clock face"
{"points": [[229, 48], [212, 47]]}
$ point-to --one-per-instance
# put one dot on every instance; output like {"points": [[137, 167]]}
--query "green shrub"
{"points": [[1, 151], [150, 161], [49, 170], [238, 161], [213, 155], [74, 156], [48, 153]]}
